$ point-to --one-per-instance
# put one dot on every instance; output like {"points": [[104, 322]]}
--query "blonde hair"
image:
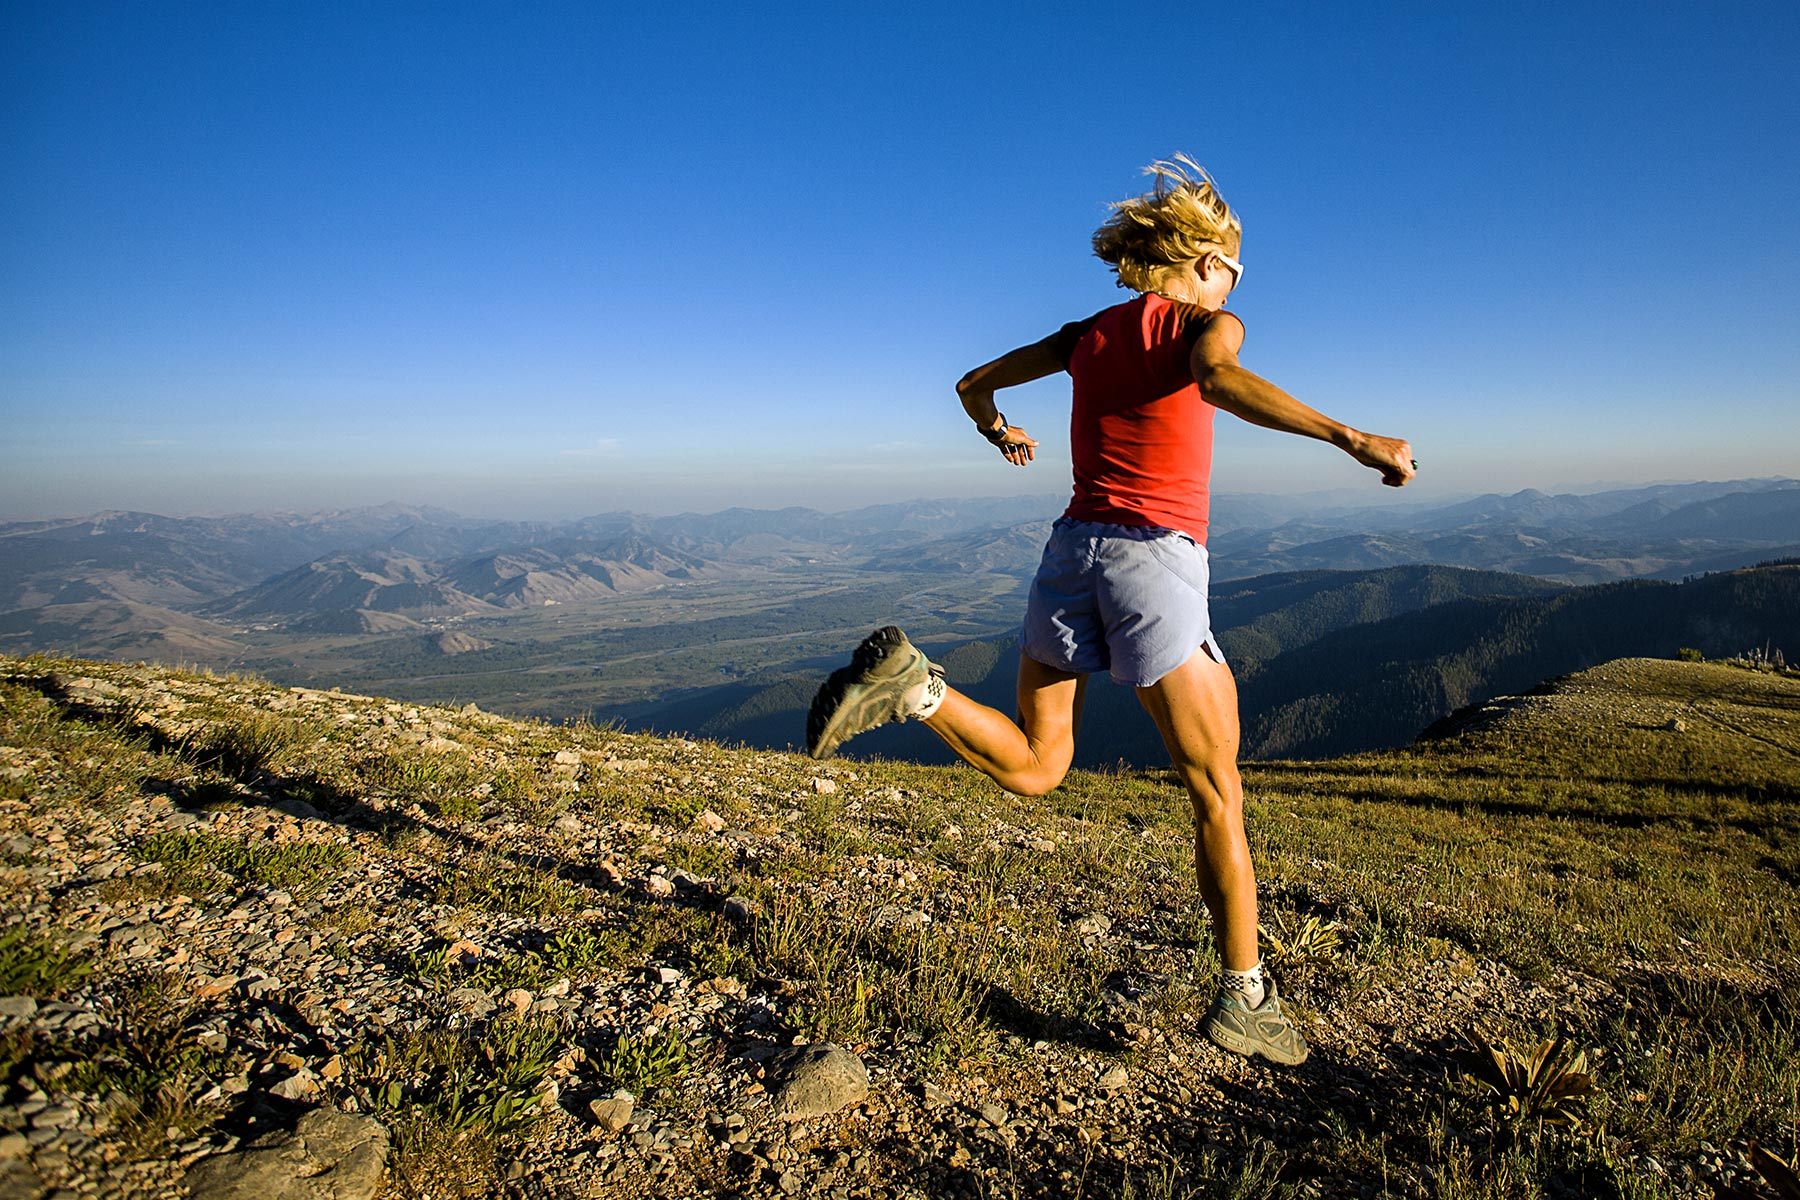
{"points": [[1147, 237]]}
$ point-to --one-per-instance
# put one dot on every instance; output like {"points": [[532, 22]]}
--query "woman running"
{"points": [[1122, 586]]}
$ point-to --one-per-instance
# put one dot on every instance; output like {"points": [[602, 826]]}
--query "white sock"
{"points": [[1248, 984], [922, 699]]}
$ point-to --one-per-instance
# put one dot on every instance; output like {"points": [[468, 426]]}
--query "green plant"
{"points": [[31, 965], [147, 1062], [1292, 939], [459, 1081], [200, 863], [576, 953], [488, 882], [1547, 1084], [1689, 654], [1777, 1172], [641, 1063], [443, 782], [247, 746]]}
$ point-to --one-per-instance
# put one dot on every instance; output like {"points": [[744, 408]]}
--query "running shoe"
{"points": [[873, 690], [1264, 1030]]}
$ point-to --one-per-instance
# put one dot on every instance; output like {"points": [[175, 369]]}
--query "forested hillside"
{"points": [[1335, 661]]}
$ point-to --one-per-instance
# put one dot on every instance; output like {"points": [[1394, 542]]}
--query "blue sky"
{"points": [[542, 259]]}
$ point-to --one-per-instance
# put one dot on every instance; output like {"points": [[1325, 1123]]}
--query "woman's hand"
{"points": [[1017, 446], [1393, 457]]}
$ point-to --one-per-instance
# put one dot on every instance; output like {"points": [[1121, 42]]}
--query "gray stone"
{"points": [[741, 909], [19, 1178], [687, 881], [1093, 925], [898, 919], [1115, 1079], [298, 808], [18, 1008], [329, 1156], [818, 1079], [298, 1086], [613, 1113], [473, 1001], [56, 1116]]}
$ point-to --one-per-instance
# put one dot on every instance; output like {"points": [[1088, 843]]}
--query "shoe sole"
{"points": [[1239, 1044], [862, 695]]}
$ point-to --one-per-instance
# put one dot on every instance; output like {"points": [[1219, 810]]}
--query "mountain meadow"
{"points": [[278, 941]]}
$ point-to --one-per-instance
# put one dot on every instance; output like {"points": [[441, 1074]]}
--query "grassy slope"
{"points": [[1566, 862]]}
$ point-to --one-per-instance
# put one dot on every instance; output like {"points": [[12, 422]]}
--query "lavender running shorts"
{"points": [[1129, 599]]}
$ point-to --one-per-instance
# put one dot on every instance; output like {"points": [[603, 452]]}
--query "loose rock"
{"points": [[613, 1113], [818, 1079], [329, 1156]]}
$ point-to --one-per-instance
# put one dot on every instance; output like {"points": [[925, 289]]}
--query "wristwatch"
{"points": [[997, 435]]}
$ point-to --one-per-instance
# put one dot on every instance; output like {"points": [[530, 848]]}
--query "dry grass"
{"points": [[1585, 840]]}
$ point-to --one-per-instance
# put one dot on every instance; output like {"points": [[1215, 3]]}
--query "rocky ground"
{"points": [[288, 942]]}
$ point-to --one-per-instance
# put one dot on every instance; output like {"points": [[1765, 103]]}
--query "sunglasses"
{"points": [[1236, 267]]}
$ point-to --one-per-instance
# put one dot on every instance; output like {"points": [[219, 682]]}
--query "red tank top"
{"points": [[1140, 435]]}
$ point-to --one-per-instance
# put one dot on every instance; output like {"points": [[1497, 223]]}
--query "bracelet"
{"points": [[997, 435]]}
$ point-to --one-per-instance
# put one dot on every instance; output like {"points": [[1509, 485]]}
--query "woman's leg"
{"points": [[1195, 707], [1029, 761]]}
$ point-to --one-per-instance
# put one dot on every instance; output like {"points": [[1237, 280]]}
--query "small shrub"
{"points": [[147, 1056], [484, 882], [1291, 939], [35, 966], [459, 1081], [1547, 1084], [641, 1063], [248, 746], [444, 783], [1689, 654], [202, 863]]}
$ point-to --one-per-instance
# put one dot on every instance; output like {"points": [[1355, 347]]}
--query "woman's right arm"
{"points": [[977, 388]]}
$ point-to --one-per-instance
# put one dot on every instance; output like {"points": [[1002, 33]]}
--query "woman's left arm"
{"points": [[1226, 384]]}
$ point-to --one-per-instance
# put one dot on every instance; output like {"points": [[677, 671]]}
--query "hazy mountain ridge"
{"points": [[346, 583], [189, 562]]}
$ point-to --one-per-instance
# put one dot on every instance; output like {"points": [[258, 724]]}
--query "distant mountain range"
{"points": [[565, 571], [377, 584]]}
